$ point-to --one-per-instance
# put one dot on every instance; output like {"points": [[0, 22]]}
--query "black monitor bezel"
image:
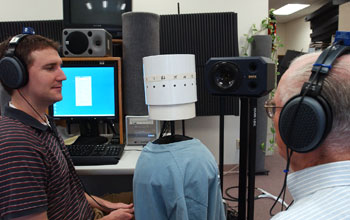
{"points": [[114, 30], [113, 64]]}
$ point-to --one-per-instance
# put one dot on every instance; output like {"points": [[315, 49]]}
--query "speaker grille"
{"points": [[205, 35], [77, 42], [302, 130]]}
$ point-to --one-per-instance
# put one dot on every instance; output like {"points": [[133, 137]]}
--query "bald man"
{"points": [[320, 179]]}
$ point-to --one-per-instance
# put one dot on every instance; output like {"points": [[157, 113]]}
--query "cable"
{"points": [[289, 155], [99, 204], [165, 129], [20, 93], [102, 206], [70, 164], [232, 170], [231, 198]]}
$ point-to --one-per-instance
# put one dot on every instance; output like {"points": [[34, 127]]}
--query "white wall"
{"points": [[295, 35], [249, 11], [344, 17], [204, 128], [22, 10]]}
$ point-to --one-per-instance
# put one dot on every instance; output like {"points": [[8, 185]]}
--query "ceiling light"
{"points": [[104, 4], [122, 7], [290, 9], [88, 5]]}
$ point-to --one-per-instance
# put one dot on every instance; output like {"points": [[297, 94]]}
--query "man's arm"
{"points": [[116, 210]]}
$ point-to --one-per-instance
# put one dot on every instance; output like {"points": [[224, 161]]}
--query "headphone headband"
{"points": [[321, 68], [10, 52]]}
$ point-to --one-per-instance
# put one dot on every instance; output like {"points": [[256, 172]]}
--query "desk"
{"points": [[102, 179], [125, 166]]}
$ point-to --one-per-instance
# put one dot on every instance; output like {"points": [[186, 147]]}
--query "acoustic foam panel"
{"points": [[261, 46], [205, 35], [140, 39], [50, 28]]}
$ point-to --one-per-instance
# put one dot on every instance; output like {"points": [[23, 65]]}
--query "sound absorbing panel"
{"points": [[140, 39], [49, 28], [205, 35], [261, 46]]}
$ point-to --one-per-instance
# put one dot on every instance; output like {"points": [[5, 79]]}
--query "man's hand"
{"points": [[118, 210], [120, 205], [125, 213]]}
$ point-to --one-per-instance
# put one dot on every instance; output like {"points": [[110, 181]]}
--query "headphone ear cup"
{"points": [[304, 125], [13, 73]]}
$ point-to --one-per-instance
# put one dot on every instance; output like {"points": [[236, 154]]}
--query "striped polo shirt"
{"points": [[321, 192], [36, 172]]}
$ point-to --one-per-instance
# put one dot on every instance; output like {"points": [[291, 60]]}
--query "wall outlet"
{"points": [[237, 144]]}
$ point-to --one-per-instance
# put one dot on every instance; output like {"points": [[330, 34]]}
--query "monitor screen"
{"points": [[88, 92], [96, 14]]}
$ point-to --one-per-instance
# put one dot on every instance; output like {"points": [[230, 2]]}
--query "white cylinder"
{"points": [[170, 86]]}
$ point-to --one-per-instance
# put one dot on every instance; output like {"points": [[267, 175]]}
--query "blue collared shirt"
{"points": [[177, 181], [320, 192]]}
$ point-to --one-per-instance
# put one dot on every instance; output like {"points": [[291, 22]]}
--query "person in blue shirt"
{"points": [[176, 177]]}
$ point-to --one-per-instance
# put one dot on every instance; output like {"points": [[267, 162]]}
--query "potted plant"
{"points": [[254, 38]]}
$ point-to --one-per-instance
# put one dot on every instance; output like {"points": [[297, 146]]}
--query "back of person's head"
{"points": [[24, 49], [336, 91]]}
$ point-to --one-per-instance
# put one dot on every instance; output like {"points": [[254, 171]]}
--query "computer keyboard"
{"points": [[95, 154]]}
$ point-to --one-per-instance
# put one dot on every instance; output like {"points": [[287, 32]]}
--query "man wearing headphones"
{"points": [[312, 123], [37, 176]]}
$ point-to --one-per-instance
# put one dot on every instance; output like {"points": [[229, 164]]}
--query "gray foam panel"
{"points": [[140, 39]]}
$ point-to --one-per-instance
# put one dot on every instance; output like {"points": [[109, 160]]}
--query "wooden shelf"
{"points": [[117, 41]]}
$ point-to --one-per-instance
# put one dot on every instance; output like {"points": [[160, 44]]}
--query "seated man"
{"points": [[176, 177], [320, 183], [37, 178]]}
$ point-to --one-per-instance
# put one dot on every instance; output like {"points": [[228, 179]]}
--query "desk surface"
{"points": [[125, 166]]}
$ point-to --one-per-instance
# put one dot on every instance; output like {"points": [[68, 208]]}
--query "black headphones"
{"points": [[13, 72], [306, 119]]}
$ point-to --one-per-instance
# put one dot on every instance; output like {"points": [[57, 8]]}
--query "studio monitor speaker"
{"points": [[86, 42]]}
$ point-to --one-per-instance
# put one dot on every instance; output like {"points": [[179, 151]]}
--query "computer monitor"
{"points": [[96, 14], [89, 95]]}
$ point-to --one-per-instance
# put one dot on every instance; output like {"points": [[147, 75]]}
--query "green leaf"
{"points": [[262, 146], [272, 129]]}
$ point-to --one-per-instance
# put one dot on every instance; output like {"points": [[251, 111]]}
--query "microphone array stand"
{"points": [[247, 158]]}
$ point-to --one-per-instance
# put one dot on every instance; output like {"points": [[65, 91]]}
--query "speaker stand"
{"points": [[247, 158]]}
